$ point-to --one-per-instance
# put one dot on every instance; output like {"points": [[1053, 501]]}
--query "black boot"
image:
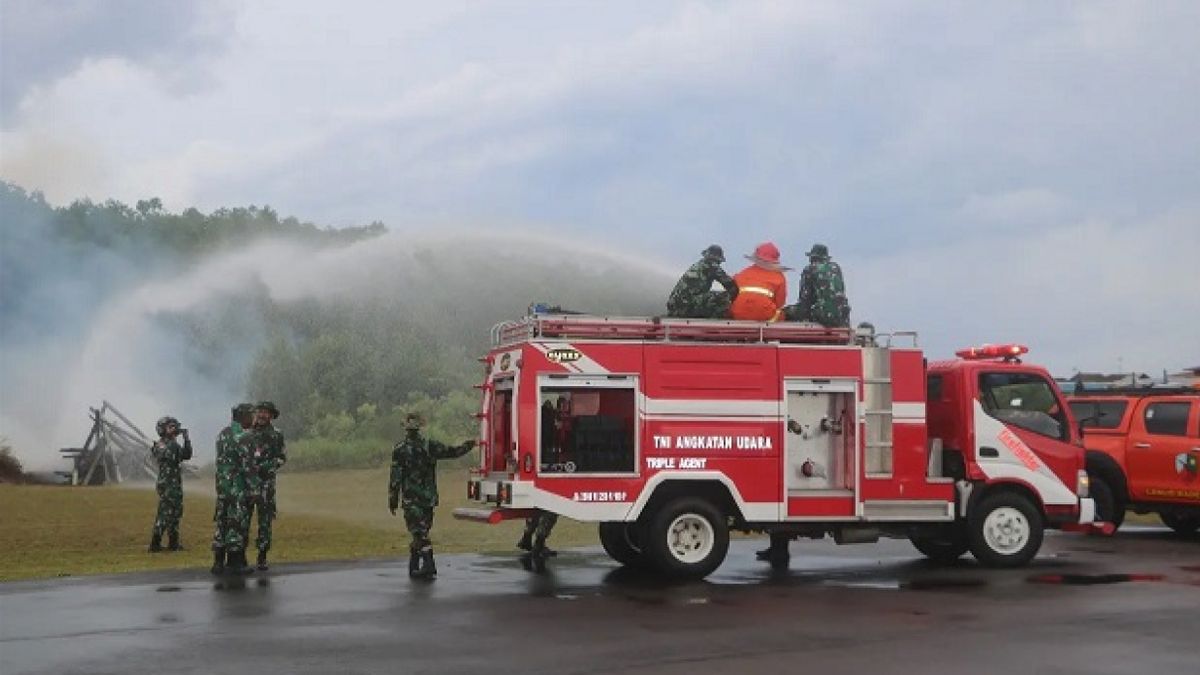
{"points": [[777, 553], [155, 542], [428, 569], [236, 563], [173, 543], [218, 567], [541, 550], [526, 543], [262, 560], [414, 563]]}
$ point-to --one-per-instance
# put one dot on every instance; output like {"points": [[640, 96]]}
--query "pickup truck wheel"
{"points": [[1183, 524], [1004, 530], [620, 541], [1109, 509], [942, 550], [687, 539]]}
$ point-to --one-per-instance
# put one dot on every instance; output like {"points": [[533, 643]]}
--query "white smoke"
{"points": [[138, 353]]}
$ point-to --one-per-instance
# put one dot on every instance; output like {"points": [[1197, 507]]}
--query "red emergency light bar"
{"points": [[1009, 351]]}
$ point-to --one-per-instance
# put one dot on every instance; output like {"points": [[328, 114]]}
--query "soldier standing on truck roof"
{"points": [[693, 297], [762, 288], [822, 292], [169, 455], [412, 487], [236, 482], [270, 454]]}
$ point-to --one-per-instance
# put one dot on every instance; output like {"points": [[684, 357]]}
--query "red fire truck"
{"points": [[670, 433]]}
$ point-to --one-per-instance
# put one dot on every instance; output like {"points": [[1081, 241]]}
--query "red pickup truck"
{"points": [[1143, 454]]}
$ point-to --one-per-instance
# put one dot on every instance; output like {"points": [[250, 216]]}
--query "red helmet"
{"points": [[765, 253]]}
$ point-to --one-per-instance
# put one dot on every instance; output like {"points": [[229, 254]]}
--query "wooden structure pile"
{"points": [[116, 450]]}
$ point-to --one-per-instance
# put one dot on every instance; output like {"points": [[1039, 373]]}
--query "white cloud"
{"points": [[1079, 295], [1028, 206], [43, 41], [885, 131]]}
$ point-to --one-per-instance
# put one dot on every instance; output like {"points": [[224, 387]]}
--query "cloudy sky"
{"points": [[983, 171]]}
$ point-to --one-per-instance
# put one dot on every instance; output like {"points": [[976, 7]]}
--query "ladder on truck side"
{"points": [[877, 410], [877, 402]]}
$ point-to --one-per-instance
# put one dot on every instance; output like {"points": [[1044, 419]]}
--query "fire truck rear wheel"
{"points": [[1181, 523], [1004, 530], [942, 550], [688, 538], [622, 543]]}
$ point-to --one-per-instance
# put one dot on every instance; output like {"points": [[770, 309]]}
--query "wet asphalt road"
{"points": [[839, 609]]}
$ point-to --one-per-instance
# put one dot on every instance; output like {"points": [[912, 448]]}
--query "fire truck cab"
{"points": [[670, 433]]}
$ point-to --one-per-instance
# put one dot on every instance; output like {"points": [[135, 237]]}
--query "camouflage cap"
{"points": [[714, 251], [819, 251], [269, 407], [243, 409]]}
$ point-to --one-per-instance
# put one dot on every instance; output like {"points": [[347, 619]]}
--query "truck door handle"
{"points": [[1141, 445]]}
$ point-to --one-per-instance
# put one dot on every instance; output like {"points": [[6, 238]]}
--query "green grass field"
{"points": [[327, 515], [324, 515]]}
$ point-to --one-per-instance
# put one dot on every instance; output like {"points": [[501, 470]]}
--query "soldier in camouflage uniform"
{"points": [[693, 296], [169, 455], [270, 455], [822, 292], [412, 487], [236, 482]]}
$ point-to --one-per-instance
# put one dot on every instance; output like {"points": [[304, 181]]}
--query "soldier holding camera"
{"points": [[169, 456]]}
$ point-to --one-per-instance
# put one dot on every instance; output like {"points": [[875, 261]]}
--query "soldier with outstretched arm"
{"points": [[412, 487]]}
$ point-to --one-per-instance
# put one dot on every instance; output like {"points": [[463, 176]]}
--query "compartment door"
{"points": [[821, 458]]}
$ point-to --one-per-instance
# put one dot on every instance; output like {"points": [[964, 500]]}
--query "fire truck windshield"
{"points": [[1024, 400]]}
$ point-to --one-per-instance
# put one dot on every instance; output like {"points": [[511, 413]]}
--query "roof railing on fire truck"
{"points": [[584, 326]]}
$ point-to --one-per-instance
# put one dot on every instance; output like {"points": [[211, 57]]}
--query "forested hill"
{"points": [[86, 241], [147, 228], [344, 328]]}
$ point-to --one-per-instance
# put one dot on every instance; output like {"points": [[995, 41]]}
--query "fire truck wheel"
{"points": [[1183, 524], [942, 550], [1004, 530], [1108, 508], [620, 541], [688, 538]]}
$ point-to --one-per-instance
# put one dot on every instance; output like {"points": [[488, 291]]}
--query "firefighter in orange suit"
{"points": [[762, 288]]}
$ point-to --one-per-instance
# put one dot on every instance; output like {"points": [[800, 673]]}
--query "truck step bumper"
{"points": [[1087, 523], [1103, 529], [491, 516]]}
